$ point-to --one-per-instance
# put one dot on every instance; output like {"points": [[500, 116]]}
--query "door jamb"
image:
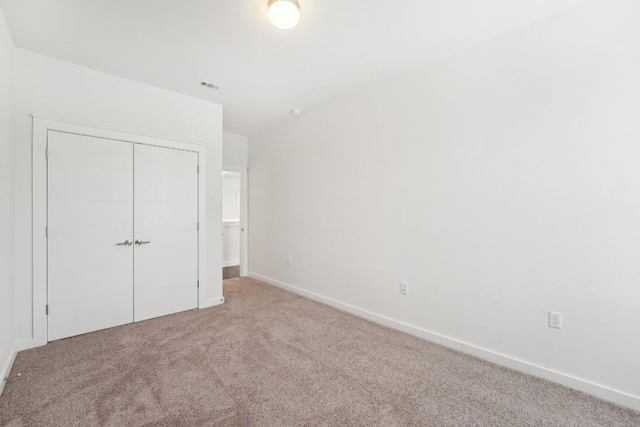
{"points": [[244, 217]]}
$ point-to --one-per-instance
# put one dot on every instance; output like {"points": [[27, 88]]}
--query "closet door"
{"points": [[165, 229], [90, 233]]}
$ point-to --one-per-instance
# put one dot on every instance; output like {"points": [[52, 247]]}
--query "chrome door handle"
{"points": [[125, 243], [140, 242]]}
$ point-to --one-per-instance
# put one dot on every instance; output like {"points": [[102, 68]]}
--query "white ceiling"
{"points": [[338, 47]]}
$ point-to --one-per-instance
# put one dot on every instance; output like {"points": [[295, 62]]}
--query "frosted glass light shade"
{"points": [[284, 14]]}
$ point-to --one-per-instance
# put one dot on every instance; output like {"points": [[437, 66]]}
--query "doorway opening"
{"points": [[234, 256]]}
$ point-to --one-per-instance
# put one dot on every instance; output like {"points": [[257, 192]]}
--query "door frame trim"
{"points": [[244, 216], [40, 129]]}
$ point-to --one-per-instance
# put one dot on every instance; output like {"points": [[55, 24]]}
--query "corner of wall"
{"points": [[7, 202], [6, 368]]}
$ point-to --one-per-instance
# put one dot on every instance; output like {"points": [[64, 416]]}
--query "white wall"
{"points": [[231, 219], [230, 244], [231, 196], [501, 183], [235, 150], [7, 293], [60, 90]]}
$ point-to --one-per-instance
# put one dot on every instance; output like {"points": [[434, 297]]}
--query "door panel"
{"points": [[90, 210], [166, 215]]}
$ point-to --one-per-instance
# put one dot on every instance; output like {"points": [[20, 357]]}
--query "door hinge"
{"points": [[198, 284], [46, 231], [46, 309]]}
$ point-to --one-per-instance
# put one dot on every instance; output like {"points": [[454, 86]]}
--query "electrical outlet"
{"points": [[404, 288], [555, 320], [288, 262]]}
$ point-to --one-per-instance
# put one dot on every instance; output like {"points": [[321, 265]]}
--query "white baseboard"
{"points": [[8, 364], [603, 392], [230, 263], [27, 344], [212, 302]]}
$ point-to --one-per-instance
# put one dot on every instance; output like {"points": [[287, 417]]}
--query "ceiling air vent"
{"points": [[209, 85]]}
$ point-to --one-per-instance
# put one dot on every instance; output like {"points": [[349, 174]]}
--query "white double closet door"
{"points": [[122, 233]]}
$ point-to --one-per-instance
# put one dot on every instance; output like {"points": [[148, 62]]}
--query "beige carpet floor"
{"points": [[270, 358]]}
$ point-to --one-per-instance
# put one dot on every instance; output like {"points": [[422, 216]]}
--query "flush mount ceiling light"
{"points": [[284, 14]]}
